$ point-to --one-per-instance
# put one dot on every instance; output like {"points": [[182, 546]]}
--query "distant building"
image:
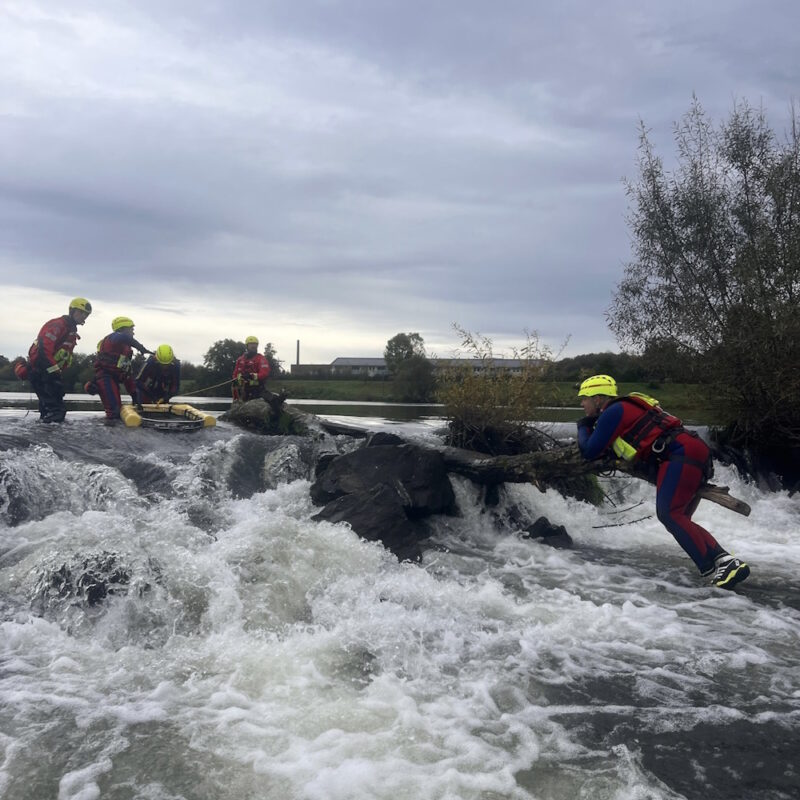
{"points": [[514, 365], [343, 368], [376, 367]]}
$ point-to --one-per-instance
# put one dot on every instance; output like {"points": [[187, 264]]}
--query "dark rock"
{"points": [[378, 514], [325, 460], [553, 535], [383, 490], [417, 475], [772, 467], [491, 495], [380, 438]]}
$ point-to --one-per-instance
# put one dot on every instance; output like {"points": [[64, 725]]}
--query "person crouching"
{"points": [[160, 376]]}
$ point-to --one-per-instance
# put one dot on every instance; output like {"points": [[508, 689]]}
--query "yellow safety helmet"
{"points": [[598, 384], [121, 322], [251, 340], [81, 304], [164, 354]]}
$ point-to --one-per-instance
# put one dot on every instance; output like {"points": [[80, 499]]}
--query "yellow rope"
{"points": [[206, 388]]}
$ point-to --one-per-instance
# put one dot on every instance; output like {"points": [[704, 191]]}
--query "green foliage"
{"points": [[275, 364], [7, 371], [623, 366], [414, 380], [402, 347], [220, 358], [363, 389], [488, 408], [716, 269], [412, 373], [80, 371]]}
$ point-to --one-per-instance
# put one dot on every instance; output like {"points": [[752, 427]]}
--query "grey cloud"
{"points": [[421, 163]]}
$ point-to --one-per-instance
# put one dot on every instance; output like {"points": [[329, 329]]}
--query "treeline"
{"points": [[658, 364], [654, 366]]}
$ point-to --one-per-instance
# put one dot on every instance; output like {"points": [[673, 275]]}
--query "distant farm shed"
{"points": [[376, 367]]}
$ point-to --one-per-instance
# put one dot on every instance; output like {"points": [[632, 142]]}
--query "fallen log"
{"points": [[546, 465], [272, 416]]}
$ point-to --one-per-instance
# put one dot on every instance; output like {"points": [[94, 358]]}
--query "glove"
{"points": [[586, 422], [253, 378], [239, 378]]}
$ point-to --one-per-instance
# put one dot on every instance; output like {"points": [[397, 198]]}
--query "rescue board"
{"points": [[166, 416]]}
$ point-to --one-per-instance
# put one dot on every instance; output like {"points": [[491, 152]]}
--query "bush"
{"points": [[488, 409]]}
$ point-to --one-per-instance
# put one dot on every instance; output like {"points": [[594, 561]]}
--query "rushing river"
{"points": [[237, 649]]}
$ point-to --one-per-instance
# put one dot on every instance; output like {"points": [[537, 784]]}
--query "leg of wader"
{"points": [[108, 389], [676, 498]]}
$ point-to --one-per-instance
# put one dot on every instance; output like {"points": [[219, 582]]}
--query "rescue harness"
{"points": [[650, 436]]}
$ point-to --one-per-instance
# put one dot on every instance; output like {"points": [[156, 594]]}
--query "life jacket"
{"points": [[160, 379], [114, 353], [639, 442], [247, 364], [52, 350]]}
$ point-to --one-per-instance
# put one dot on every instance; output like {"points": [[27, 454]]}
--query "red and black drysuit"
{"points": [[158, 382], [249, 374], [680, 459], [112, 367], [48, 355]]}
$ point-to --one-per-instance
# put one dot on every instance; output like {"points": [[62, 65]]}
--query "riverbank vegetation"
{"points": [[690, 401], [715, 277]]}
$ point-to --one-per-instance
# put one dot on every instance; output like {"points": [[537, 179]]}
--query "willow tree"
{"points": [[716, 268]]}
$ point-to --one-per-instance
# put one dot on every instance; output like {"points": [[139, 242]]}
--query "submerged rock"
{"points": [[547, 533], [384, 491], [284, 465], [419, 475], [85, 580], [379, 514]]}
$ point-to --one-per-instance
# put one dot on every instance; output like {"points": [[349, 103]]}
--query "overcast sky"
{"points": [[335, 172]]}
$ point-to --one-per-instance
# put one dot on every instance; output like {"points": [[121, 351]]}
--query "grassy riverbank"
{"points": [[364, 391], [686, 400]]}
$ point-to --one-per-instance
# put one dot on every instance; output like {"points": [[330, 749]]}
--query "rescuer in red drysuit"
{"points": [[250, 372], [635, 428], [50, 355]]}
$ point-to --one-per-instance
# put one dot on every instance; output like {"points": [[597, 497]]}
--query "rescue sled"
{"points": [[166, 416]]}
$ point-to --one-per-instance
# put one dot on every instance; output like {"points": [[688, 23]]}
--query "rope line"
{"points": [[206, 388]]}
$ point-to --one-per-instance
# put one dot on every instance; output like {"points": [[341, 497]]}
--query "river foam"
{"points": [[253, 652]]}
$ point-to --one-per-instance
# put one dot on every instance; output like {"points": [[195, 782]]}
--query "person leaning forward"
{"points": [[112, 366], [160, 376], [250, 372], [635, 428], [50, 355]]}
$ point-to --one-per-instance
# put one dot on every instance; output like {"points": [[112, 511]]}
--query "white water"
{"points": [[254, 653]]}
